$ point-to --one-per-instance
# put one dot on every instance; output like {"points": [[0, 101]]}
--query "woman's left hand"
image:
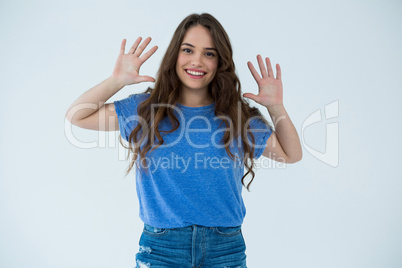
{"points": [[270, 89]]}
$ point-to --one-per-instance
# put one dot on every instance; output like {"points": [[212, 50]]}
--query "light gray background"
{"points": [[63, 205]]}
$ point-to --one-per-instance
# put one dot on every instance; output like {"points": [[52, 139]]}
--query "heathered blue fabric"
{"points": [[191, 179]]}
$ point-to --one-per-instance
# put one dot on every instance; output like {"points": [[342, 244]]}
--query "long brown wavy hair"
{"points": [[225, 90]]}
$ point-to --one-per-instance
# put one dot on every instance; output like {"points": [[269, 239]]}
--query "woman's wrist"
{"points": [[115, 82]]}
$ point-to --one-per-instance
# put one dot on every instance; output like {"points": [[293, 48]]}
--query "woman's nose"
{"points": [[196, 60]]}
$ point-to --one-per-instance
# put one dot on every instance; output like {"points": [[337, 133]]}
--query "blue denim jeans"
{"points": [[192, 246]]}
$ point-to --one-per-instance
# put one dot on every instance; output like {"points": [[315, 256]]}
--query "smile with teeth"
{"points": [[195, 73]]}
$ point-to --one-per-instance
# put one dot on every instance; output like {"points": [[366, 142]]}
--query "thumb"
{"points": [[146, 79], [251, 96]]}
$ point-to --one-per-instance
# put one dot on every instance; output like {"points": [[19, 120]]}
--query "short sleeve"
{"points": [[127, 116], [261, 132]]}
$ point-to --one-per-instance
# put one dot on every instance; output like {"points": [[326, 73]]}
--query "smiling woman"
{"points": [[190, 179], [196, 65]]}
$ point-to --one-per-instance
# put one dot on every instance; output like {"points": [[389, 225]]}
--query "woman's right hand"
{"points": [[127, 67]]}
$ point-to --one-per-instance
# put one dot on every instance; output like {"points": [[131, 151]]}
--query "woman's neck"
{"points": [[192, 99]]}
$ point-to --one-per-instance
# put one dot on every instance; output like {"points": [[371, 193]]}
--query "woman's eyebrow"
{"points": [[206, 48]]}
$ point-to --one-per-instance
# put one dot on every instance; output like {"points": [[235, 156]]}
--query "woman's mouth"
{"points": [[195, 74]]}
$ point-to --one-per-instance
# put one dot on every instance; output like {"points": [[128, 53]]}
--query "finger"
{"points": [[123, 46], [135, 45], [262, 67], [146, 78], [251, 96], [278, 72], [253, 71], [149, 53], [141, 48], [270, 71]]}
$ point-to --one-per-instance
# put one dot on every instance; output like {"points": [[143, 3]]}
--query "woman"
{"points": [[191, 137]]}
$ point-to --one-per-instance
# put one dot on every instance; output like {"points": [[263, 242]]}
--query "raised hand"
{"points": [[270, 89], [127, 67]]}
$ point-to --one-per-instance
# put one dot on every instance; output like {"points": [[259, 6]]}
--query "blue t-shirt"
{"points": [[191, 179]]}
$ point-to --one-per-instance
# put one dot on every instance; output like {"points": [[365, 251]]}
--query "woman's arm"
{"points": [[87, 110], [91, 101], [284, 144]]}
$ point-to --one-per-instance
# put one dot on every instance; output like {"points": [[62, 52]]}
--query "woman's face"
{"points": [[197, 61]]}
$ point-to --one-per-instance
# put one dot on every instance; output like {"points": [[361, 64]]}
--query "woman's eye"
{"points": [[210, 54], [187, 50]]}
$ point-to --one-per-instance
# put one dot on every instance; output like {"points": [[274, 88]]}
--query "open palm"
{"points": [[270, 89], [127, 67]]}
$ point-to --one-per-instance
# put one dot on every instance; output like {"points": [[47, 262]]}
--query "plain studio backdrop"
{"points": [[64, 200]]}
